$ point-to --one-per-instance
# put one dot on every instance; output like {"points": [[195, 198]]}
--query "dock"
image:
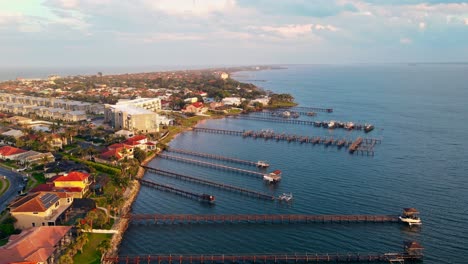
{"points": [[365, 147], [211, 165], [222, 186], [212, 156], [163, 219], [309, 109], [315, 124], [167, 188], [412, 252]]}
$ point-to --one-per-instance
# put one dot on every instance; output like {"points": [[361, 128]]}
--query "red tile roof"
{"points": [[8, 151], [112, 153], [72, 176], [33, 245], [57, 190], [31, 203], [136, 138], [198, 104]]}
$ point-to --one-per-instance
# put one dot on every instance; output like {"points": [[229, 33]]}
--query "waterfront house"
{"points": [[44, 244], [195, 108], [11, 153], [40, 209], [75, 179]]}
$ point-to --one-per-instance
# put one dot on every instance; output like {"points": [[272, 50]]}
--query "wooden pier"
{"points": [[162, 219], [211, 165], [309, 109], [365, 147], [167, 188], [212, 156], [413, 252], [222, 186]]}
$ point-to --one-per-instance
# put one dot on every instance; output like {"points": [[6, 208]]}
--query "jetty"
{"points": [[211, 165], [309, 109], [412, 252], [191, 195], [366, 146], [212, 156], [222, 186]]}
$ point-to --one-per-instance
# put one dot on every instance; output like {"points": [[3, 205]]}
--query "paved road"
{"points": [[16, 182]]}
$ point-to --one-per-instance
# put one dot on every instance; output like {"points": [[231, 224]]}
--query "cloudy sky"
{"points": [[220, 32]]}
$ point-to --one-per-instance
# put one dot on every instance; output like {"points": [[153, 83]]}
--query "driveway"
{"points": [[16, 183]]}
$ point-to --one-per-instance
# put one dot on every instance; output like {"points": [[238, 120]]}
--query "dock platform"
{"points": [[222, 186], [212, 156], [180, 192]]}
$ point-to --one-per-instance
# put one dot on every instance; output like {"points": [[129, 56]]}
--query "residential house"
{"points": [[43, 244], [13, 133], [234, 101], [40, 209], [34, 157], [75, 179], [195, 108], [11, 153]]}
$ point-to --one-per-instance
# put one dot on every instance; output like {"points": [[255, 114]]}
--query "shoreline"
{"points": [[132, 193]]}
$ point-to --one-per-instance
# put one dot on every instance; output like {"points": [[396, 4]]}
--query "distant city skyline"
{"points": [[81, 33]]}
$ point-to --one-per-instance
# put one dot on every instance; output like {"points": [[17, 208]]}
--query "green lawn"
{"points": [[3, 183], [91, 254]]}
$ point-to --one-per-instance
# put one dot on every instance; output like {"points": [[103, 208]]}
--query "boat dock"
{"points": [[308, 109], [365, 147], [412, 252], [222, 186], [324, 124], [211, 165], [212, 156], [167, 188], [162, 219]]}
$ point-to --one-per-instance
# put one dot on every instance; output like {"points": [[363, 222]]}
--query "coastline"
{"points": [[131, 194]]}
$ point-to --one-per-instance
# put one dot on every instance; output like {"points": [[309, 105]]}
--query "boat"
{"points": [[206, 198], [331, 125], [368, 128], [295, 115], [262, 164], [273, 177], [349, 126], [311, 114], [410, 216], [287, 197], [286, 114]]}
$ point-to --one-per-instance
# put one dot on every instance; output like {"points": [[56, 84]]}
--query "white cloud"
{"points": [[422, 25], [466, 21], [191, 7], [406, 41]]}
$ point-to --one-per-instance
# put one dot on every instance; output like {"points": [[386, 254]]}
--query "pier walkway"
{"points": [[167, 188], [366, 145], [211, 165], [212, 156], [399, 257], [308, 109], [222, 186], [163, 219]]}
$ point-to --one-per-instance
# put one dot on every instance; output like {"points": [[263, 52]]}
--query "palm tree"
{"points": [[104, 246]]}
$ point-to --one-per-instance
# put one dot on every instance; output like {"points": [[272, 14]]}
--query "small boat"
{"points": [[410, 216], [349, 125], [332, 125], [368, 128], [262, 164], [206, 198], [273, 177], [287, 197], [295, 115], [286, 114]]}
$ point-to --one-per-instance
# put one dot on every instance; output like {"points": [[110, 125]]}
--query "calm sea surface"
{"points": [[421, 115]]}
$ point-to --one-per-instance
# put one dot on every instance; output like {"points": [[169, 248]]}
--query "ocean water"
{"points": [[420, 113]]}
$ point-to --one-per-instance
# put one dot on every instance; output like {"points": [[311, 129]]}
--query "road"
{"points": [[16, 182]]}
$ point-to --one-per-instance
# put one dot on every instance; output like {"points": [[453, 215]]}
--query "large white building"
{"points": [[132, 118], [152, 104]]}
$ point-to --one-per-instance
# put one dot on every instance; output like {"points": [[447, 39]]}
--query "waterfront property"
{"points": [[40, 209], [43, 244], [133, 118]]}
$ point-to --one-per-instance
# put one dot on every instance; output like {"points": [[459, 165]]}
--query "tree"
{"points": [[104, 246], [139, 154]]}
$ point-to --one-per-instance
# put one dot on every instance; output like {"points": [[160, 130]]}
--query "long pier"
{"points": [[211, 165], [310, 109], [163, 219], [227, 187], [365, 147], [399, 257], [212, 156], [340, 125], [167, 188]]}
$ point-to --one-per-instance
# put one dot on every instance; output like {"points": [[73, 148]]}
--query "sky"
{"points": [[70, 33]]}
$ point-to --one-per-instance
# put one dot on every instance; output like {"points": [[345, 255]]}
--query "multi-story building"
{"points": [[132, 118], [152, 104]]}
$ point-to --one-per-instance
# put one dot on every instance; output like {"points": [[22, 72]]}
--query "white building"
{"points": [[235, 101], [132, 118]]}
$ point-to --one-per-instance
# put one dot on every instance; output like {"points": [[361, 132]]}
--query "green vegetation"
{"points": [[10, 164], [91, 252], [281, 100], [7, 228], [4, 185]]}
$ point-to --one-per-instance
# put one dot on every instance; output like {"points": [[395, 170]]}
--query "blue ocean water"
{"points": [[420, 113]]}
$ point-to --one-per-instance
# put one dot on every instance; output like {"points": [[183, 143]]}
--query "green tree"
{"points": [[139, 154]]}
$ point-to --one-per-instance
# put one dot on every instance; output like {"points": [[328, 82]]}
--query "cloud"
{"points": [[422, 25], [191, 7], [406, 41], [466, 21]]}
